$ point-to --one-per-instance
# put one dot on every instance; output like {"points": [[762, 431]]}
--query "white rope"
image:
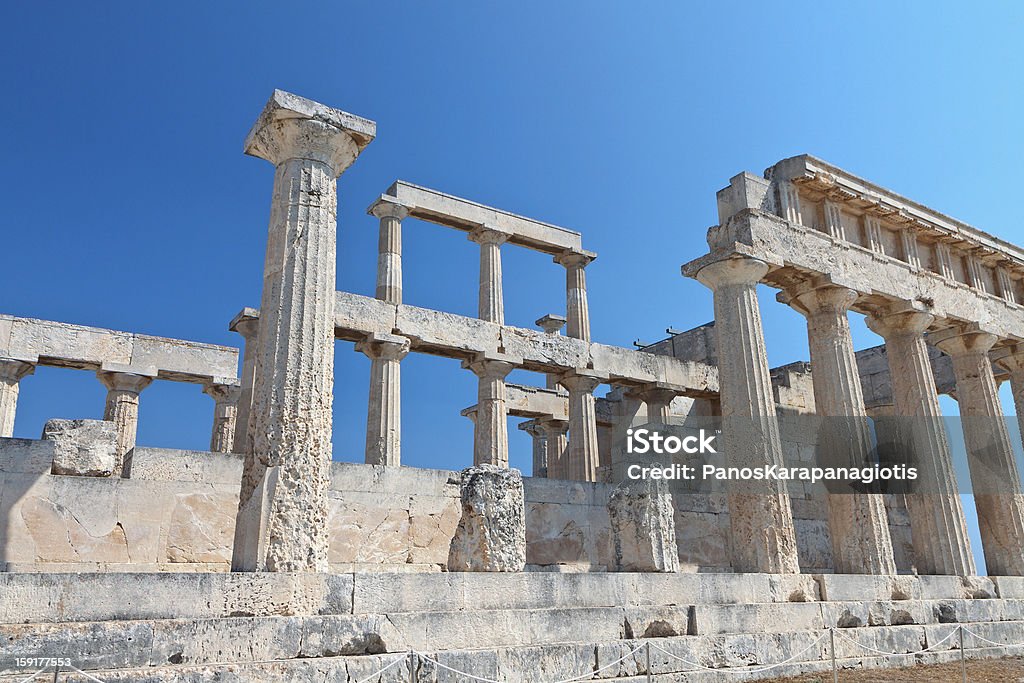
{"points": [[91, 678], [379, 672], [26, 680], [990, 642], [742, 670], [580, 677], [891, 654]]}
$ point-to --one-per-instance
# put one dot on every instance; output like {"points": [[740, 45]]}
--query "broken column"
{"points": [[939, 529], [124, 384], [491, 304], [389, 248], [582, 459], [282, 513], [490, 426], [491, 535], [995, 479], [557, 442], [551, 324], [82, 448], [858, 523], [225, 394], [761, 520], [246, 323], [643, 527], [577, 310], [384, 409], [12, 371]]}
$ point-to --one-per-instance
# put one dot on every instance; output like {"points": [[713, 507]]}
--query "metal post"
{"points": [[963, 661], [832, 650], [412, 667], [56, 671], [649, 677]]}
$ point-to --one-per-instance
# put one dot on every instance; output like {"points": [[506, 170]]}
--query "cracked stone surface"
{"points": [[84, 448], [491, 535]]}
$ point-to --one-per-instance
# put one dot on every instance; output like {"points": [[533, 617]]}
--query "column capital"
{"points": [[575, 259], [553, 426], [813, 297], [387, 206], [118, 377], [223, 389], [742, 270], [246, 323], [533, 427], [293, 127], [492, 365], [654, 392], [551, 323], [903, 319], [1011, 358], [14, 369], [582, 379], [963, 340], [379, 346], [487, 235]]}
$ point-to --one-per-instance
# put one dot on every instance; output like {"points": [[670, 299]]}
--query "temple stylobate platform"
{"points": [[261, 559]]}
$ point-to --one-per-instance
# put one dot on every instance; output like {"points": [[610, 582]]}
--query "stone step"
{"points": [[139, 643], [742, 655], [44, 597]]}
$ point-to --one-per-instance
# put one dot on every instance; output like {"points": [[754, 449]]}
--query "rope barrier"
{"points": [[580, 677], [990, 642], [379, 672], [893, 654], [26, 680], [743, 670]]}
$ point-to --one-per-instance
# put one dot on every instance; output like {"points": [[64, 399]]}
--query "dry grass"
{"points": [[1009, 670]]}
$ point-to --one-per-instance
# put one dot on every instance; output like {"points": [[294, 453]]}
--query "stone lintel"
{"points": [[125, 369]]}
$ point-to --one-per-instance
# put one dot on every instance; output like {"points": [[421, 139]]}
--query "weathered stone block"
{"points": [[84, 448], [643, 527], [491, 535]]}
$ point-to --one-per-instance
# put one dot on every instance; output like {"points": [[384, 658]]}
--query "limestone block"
{"points": [[793, 588], [491, 535], [26, 456], [202, 528], [164, 464], [365, 315], [552, 537], [84, 448], [661, 621], [643, 527], [185, 359]]}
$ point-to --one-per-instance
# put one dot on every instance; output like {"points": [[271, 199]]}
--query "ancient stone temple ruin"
{"points": [[263, 560]]}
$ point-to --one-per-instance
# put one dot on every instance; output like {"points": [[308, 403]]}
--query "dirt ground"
{"points": [[1009, 670]]}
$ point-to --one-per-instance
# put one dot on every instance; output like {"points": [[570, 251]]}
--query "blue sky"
{"points": [[131, 206]]}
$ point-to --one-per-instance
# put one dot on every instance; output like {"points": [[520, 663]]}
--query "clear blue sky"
{"points": [[129, 203]]}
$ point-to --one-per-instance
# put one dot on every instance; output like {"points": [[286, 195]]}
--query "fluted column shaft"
{"points": [[11, 373], [389, 249], [246, 323], [994, 476], [577, 309], [225, 415], [858, 523], [539, 440], [557, 444], [491, 303], [490, 428], [122, 408], [763, 537], [938, 526], [282, 521], [384, 408], [583, 456]]}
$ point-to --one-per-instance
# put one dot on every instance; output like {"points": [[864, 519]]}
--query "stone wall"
{"points": [[177, 513]]}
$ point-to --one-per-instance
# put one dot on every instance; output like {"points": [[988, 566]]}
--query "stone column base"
{"points": [[491, 536]]}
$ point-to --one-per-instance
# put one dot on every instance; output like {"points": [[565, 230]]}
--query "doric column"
{"points": [[938, 527], [551, 324], [539, 439], [557, 446], [124, 384], [225, 394], [858, 524], [583, 456], [994, 476], [389, 248], [490, 427], [384, 410], [246, 323], [11, 373], [492, 304], [763, 539], [282, 520], [577, 311]]}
